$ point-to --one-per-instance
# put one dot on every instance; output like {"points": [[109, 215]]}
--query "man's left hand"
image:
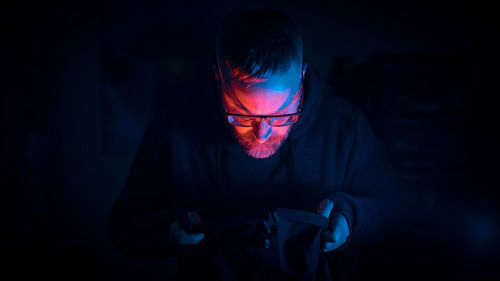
{"points": [[338, 232]]}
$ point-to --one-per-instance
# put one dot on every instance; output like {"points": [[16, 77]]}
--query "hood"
{"points": [[313, 94]]}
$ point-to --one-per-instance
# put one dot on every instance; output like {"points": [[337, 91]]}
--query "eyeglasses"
{"points": [[243, 120], [272, 120]]}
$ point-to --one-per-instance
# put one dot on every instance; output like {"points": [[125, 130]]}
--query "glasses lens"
{"points": [[246, 121], [283, 121], [240, 120]]}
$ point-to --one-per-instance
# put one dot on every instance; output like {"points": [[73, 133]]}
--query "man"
{"points": [[235, 192]]}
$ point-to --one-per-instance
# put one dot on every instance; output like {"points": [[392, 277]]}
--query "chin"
{"points": [[262, 152], [258, 150]]}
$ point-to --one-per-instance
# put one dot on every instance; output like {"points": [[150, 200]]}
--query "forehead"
{"points": [[272, 95]]}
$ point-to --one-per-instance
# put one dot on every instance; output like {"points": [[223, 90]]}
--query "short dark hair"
{"points": [[258, 42]]}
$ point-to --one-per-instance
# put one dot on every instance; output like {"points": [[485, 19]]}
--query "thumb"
{"points": [[193, 218], [196, 238], [325, 208]]}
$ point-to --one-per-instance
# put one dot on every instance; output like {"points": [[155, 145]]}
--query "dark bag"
{"points": [[283, 246]]}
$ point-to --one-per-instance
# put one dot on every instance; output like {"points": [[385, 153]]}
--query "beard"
{"points": [[261, 150]]}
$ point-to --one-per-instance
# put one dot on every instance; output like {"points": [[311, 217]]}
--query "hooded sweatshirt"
{"points": [[191, 162]]}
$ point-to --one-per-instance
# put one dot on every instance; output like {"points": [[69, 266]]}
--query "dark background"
{"points": [[81, 80]]}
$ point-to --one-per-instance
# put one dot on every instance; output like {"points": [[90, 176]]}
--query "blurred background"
{"points": [[81, 81]]}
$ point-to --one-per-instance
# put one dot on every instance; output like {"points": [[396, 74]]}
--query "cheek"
{"points": [[280, 130], [241, 130], [246, 133], [247, 130]]}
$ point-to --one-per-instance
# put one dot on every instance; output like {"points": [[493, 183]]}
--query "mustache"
{"points": [[248, 141], [264, 150]]}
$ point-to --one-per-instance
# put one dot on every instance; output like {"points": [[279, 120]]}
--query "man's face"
{"points": [[279, 94]]}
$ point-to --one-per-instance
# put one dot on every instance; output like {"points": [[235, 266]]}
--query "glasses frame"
{"points": [[266, 117]]}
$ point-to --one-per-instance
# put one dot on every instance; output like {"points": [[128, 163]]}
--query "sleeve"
{"points": [[373, 197], [139, 219]]}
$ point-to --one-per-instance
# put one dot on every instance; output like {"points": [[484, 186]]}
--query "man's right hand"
{"points": [[178, 236]]}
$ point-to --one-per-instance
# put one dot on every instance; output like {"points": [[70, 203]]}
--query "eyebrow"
{"points": [[237, 102], [283, 107]]}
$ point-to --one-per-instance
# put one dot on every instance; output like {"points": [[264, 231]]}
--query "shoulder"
{"points": [[338, 111], [185, 127]]}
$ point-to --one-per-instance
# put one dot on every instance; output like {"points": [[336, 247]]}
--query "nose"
{"points": [[262, 131]]}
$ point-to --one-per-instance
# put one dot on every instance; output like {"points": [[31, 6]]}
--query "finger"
{"points": [[191, 239], [276, 217], [329, 236], [329, 246], [267, 225], [335, 223], [325, 208], [272, 219], [339, 228], [193, 218], [267, 243], [333, 237], [175, 231]]}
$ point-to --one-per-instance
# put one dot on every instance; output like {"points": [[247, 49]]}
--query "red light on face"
{"points": [[261, 111], [260, 147]]}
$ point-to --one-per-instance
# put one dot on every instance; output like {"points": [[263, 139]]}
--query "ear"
{"points": [[304, 68], [216, 72]]}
